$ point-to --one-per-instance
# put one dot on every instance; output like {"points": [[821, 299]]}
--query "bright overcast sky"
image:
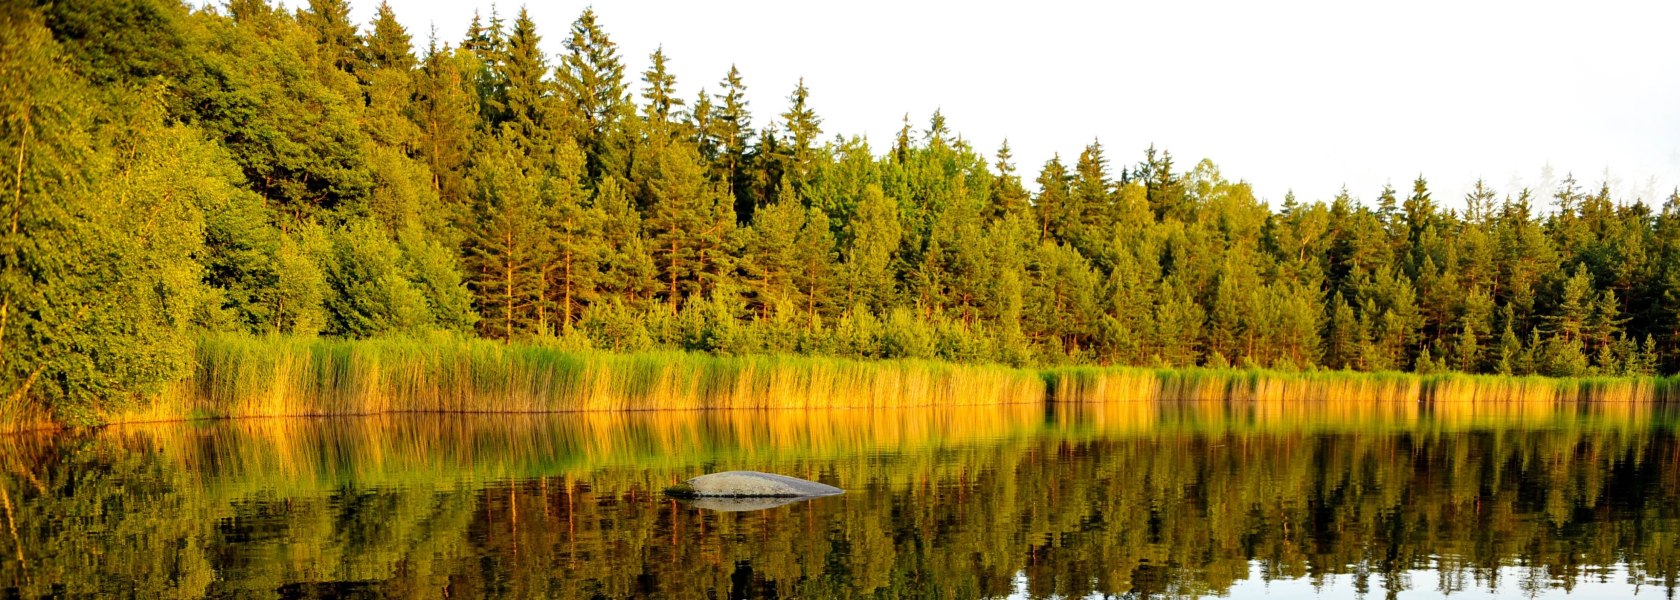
{"points": [[1285, 95]]}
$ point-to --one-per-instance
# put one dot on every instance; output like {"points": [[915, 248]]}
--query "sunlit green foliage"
{"points": [[174, 170]]}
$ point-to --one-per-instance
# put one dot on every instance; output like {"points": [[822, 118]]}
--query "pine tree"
{"points": [[1089, 214], [388, 83], [571, 275], [1166, 195], [1342, 335], [814, 254], [1301, 317], [1179, 320], [524, 110], [1419, 209], [1510, 351], [445, 108], [510, 244], [772, 255], [689, 224], [874, 234], [627, 273], [1574, 307]]}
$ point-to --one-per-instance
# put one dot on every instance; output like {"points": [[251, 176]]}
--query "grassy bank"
{"points": [[1082, 385], [243, 376]]}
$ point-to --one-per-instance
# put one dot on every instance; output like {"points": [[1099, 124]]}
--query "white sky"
{"points": [[1302, 95]]}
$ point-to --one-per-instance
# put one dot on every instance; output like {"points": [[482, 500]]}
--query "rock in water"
{"points": [[750, 484]]}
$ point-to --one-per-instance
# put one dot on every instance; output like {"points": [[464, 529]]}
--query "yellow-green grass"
{"points": [[247, 376], [239, 376], [1079, 385]]}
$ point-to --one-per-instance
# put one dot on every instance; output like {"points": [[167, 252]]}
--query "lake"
{"points": [[1146, 499]]}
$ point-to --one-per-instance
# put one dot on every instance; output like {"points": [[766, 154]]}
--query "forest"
{"points": [[173, 173]]}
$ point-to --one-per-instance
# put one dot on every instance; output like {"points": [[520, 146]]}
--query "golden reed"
{"points": [[245, 376]]}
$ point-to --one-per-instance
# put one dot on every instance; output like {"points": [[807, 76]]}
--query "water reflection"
{"points": [[742, 504], [1140, 499]]}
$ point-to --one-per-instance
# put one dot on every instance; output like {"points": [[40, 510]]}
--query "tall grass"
{"points": [[1442, 392], [245, 376], [240, 376]]}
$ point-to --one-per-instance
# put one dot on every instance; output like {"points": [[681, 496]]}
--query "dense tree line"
{"points": [[244, 167]]}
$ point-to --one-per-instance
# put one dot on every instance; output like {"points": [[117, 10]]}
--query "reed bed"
{"points": [[246, 376], [239, 376], [1447, 393]]}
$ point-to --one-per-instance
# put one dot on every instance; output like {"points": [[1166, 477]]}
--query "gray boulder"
{"points": [[750, 484]]}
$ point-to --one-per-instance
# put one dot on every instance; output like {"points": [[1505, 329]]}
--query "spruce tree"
{"points": [[1009, 199], [803, 127], [1054, 202], [388, 45], [659, 94], [445, 109], [591, 81], [335, 34], [524, 109]]}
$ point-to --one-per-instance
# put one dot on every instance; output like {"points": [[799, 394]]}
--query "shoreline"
{"points": [[248, 376]]}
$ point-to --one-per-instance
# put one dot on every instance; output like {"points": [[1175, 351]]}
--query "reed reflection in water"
{"points": [[1151, 499]]}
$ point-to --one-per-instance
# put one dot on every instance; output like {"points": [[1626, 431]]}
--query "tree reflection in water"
{"points": [[1144, 500]]}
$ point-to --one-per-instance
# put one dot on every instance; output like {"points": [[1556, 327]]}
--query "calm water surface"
{"points": [[1139, 500]]}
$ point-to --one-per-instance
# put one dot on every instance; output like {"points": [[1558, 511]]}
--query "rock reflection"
{"points": [[742, 504]]}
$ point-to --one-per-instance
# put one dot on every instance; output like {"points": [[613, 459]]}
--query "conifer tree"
{"points": [[1419, 209], [814, 254], [1165, 194], [689, 226], [591, 81], [335, 34], [277, 171], [1342, 336], [388, 45], [803, 127], [874, 234], [1055, 201], [772, 255], [387, 80], [510, 243], [659, 94], [733, 128], [1090, 211], [1008, 198], [445, 109], [525, 104], [627, 271], [571, 275]]}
